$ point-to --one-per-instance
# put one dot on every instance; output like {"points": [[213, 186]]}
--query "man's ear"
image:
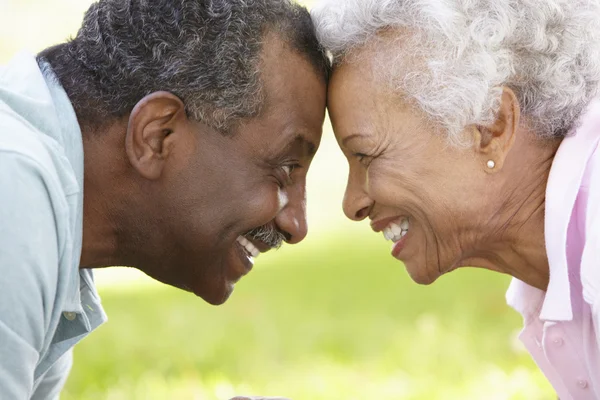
{"points": [[151, 122], [493, 142]]}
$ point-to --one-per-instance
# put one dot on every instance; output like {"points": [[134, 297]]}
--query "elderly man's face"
{"points": [[222, 199], [416, 189]]}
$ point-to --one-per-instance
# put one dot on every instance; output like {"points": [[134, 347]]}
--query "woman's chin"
{"points": [[421, 275]]}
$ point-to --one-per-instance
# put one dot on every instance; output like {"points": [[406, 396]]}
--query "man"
{"points": [[169, 136]]}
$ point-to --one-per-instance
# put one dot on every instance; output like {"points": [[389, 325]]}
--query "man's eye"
{"points": [[288, 169], [286, 175]]}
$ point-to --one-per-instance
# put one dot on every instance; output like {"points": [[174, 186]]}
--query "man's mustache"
{"points": [[269, 235]]}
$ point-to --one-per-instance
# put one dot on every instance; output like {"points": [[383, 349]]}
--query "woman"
{"points": [[472, 135]]}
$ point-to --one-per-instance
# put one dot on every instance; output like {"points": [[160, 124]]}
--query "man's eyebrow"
{"points": [[300, 140], [351, 137]]}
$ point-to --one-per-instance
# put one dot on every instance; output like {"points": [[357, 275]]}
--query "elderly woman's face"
{"points": [[425, 196]]}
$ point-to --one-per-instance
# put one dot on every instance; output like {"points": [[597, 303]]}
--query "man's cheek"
{"points": [[263, 203]]}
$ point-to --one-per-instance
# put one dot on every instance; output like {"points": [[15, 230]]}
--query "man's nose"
{"points": [[357, 204], [291, 219]]}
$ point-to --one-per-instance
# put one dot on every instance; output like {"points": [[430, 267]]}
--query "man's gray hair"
{"points": [[451, 57], [207, 52]]}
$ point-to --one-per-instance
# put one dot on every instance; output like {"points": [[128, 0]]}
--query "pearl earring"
{"points": [[491, 164]]}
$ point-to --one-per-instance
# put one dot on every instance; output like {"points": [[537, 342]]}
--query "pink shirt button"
{"points": [[558, 341], [582, 383]]}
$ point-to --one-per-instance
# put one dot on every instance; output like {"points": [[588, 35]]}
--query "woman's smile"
{"points": [[394, 229]]}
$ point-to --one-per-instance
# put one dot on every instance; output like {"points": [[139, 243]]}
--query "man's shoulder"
{"points": [[29, 124], [17, 135], [27, 145]]}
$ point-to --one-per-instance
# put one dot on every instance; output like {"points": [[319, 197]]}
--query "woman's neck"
{"points": [[515, 244]]}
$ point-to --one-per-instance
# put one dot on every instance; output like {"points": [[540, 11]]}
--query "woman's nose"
{"points": [[357, 204]]}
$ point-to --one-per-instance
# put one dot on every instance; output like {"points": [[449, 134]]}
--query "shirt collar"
{"points": [[564, 181], [69, 136]]}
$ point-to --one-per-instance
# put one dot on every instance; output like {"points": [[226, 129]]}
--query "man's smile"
{"points": [[251, 245], [251, 250]]}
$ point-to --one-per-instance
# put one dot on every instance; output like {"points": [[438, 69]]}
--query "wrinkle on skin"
{"points": [[461, 213], [170, 196]]}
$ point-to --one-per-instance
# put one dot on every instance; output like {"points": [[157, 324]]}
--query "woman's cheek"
{"points": [[383, 186]]}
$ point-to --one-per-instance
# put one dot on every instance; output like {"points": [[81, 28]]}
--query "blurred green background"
{"points": [[335, 317]]}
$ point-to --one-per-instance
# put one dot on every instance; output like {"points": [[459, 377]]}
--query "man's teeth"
{"points": [[250, 248], [395, 232]]}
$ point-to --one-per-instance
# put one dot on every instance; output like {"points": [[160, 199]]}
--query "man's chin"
{"points": [[216, 296]]}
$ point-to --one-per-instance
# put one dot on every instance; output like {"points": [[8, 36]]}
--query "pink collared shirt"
{"points": [[562, 325]]}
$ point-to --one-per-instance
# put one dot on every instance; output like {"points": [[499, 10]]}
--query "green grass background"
{"points": [[334, 317]]}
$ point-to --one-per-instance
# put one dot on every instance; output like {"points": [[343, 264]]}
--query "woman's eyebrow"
{"points": [[351, 137]]}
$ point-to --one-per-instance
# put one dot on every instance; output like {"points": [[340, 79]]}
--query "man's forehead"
{"points": [[281, 67], [294, 100]]}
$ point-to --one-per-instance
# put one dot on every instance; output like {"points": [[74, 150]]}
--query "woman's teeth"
{"points": [[250, 248], [395, 232]]}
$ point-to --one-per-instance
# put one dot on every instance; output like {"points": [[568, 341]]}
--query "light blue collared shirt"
{"points": [[47, 304]]}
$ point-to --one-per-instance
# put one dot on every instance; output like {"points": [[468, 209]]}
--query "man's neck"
{"points": [[101, 202]]}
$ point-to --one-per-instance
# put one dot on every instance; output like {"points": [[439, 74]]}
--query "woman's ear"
{"points": [[493, 142], [151, 122]]}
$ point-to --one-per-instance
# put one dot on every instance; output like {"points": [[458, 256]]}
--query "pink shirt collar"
{"points": [[564, 182]]}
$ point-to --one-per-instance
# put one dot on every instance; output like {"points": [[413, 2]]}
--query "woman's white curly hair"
{"points": [[453, 57]]}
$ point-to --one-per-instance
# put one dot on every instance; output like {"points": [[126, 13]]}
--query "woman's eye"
{"points": [[363, 158]]}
